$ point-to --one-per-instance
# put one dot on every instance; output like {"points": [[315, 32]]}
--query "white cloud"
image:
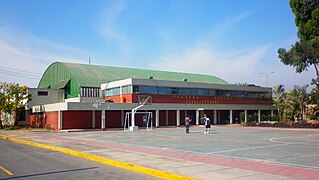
{"points": [[24, 57], [204, 56], [236, 65], [231, 66], [107, 26]]}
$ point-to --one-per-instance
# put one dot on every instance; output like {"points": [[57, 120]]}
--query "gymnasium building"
{"points": [[84, 96]]}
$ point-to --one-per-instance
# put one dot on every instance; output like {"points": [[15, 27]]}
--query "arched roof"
{"points": [[72, 76]]}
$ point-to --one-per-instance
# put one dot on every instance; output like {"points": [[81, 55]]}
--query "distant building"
{"points": [[99, 97]]}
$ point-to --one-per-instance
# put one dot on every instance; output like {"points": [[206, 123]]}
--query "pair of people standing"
{"points": [[206, 122]]}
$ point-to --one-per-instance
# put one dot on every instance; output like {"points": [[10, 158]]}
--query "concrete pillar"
{"points": [[157, 118], [259, 116], [103, 119], [178, 118], [245, 115], [93, 119], [60, 120], [215, 116], [197, 117], [272, 113], [230, 116]]}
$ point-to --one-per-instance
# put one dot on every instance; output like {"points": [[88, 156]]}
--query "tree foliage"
{"points": [[12, 97], [296, 104], [305, 52], [279, 96]]}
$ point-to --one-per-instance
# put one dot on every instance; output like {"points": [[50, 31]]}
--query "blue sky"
{"points": [[235, 40]]}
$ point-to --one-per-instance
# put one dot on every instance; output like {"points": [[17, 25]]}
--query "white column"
{"points": [[197, 117], [259, 116], [60, 120], [103, 119], [215, 116], [157, 118], [245, 115], [230, 116], [178, 118], [272, 113], [93, 118]]}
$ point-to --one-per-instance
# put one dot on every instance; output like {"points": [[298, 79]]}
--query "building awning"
{"points": [[62, 84]]}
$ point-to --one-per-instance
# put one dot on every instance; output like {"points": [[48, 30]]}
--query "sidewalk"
{"points": [[185, 163]]}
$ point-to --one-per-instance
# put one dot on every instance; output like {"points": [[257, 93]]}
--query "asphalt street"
{"points": [[228, 152], [18, 161]]}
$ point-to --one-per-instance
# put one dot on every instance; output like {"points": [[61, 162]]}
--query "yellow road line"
{"points": [[123, 165], [6, 171]]}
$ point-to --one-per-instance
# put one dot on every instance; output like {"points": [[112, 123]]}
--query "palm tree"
{"points": [[296, 101], [279, 94]]}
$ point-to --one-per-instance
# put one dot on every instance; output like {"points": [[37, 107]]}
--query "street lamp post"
{"points": [[266, 75]]}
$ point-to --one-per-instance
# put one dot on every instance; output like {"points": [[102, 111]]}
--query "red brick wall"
{"points": [[76, 119], [52, 120]]}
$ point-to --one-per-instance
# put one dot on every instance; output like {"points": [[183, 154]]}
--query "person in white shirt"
{"points": [[207, 124]]}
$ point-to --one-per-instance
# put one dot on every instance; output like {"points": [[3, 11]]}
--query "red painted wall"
{"points": [[98, 119], [117, 99], [172, 118], [52, 120], [162, 118], [112, 119], [188, 99], [76, 119]]}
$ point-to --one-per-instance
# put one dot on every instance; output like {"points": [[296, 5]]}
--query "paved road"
{"points": [[226, 153], [27, 162]]}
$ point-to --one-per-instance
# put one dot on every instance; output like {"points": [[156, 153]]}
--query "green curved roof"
{"points": [[72, 76]]}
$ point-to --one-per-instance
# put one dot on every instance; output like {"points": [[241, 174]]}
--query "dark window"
{"points": [[184, 91], [174, 90], [43, 93], [164, 90], [136, 89]]}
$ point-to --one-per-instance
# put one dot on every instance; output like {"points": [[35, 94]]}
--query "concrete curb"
{"points": [[152, 172]]}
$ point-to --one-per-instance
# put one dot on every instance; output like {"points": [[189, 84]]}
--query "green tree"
{"points": [[296, 101], [305, 52], [279, 97], [12, 97], [313, 102]]}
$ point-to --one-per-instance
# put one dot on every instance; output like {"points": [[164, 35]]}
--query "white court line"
{"points": [[268, 161], [276, 140], [246, 148]]}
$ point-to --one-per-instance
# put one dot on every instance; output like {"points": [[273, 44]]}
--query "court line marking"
{"points": [[246, 148], [6, 171], [149, 171], [268, 161]]}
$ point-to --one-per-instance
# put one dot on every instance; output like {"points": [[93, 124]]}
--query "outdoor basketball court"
{"points": [[292, 147]]}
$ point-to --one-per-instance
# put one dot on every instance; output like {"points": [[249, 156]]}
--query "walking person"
{"points": [[207, 124], [187, 123], [144, 119]]}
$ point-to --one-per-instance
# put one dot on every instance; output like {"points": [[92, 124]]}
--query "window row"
{"points": [[90, 92], [184, 91]]}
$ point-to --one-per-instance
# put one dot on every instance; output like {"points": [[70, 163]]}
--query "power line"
{"points": [[19, 71], [19, 75]]}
